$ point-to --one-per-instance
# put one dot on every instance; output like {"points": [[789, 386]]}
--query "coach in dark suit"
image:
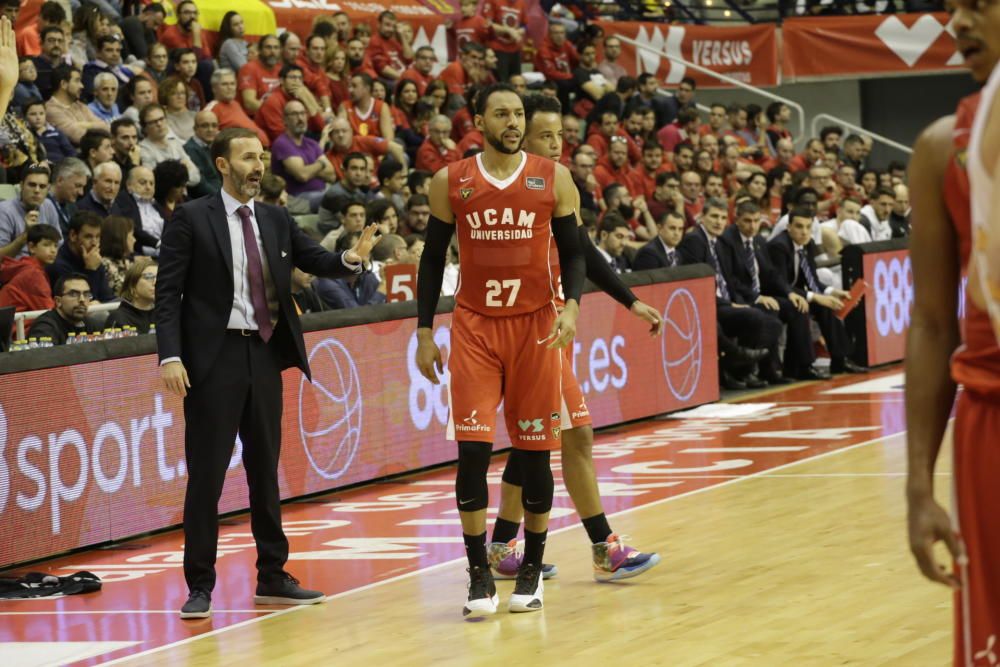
{"points": [[758, 282], [702, 245], [226, 328], [792, 252], [662, 252]]}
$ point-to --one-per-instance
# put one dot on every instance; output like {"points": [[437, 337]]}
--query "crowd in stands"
{"points": [[113, 115]]}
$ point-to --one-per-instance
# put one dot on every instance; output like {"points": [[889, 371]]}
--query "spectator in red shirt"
{"points": [[291, 47], [367, 115], [313, 64], [467, 70], [186, 33], [557, 59], [682, 130], [813, 154], [342, 22], [262, 75], [571, 138], [694, 199], [29, 42], [343, 142], [470, 28], [388, 52], [225, 107], [683, 158], [615, 168], [651, 167], [778, 115], [601, 135], [716, 124], [270, 116], [438, 149], [785, 152], [507, 19], [357, 60], [420, 71], [25, 284]]}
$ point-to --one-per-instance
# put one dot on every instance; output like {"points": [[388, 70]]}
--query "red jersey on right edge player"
{"points": [[507, 207], [939, 248]]}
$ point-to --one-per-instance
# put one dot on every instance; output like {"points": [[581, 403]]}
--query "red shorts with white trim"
{"points": [[574, 406], [494, 358]]}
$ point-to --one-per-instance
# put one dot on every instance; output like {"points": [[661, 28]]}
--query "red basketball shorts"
{"points": [[574, 407], [494, 358], [976, 488]]}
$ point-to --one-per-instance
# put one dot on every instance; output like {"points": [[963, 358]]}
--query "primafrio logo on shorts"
{"points": [[471, 425], [682, 344], [330, 409]]}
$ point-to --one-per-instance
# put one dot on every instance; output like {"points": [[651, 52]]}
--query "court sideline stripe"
{"points": [[438, 566]]}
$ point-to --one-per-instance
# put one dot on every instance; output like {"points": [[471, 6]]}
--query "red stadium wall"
{"points": [[94, 452]]}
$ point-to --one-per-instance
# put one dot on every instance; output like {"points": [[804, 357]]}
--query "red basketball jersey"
{"points": [[367, 124], [504, 235], [976, 364]]}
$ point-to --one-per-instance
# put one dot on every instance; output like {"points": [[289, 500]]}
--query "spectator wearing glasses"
{"points": [[186, 33], [52, 56], [438, 149], [18, 215], [72, 296], [270, 115], [161, 144], [198, 148], [300, 160], [420, 71], [80, 255], [138, 294]]}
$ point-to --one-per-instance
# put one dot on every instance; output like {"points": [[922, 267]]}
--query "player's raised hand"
{"points": [[564, 328], [363, 248], [928, 523], [646, 312], [428, 356]]}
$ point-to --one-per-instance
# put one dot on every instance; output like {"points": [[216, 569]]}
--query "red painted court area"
{"points": [[345, 541]]}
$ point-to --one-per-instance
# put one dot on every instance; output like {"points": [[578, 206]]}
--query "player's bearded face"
{"points": [[506, 140], [503, 122]]}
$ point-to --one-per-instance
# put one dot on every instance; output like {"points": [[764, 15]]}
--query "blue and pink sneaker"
{"points": [[613, 560], [505, 561]]}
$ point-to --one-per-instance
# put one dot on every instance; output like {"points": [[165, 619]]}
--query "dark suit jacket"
{"points": [[88, 203], [194, 287], [211, 181], [782, 252], [694, 249], [653, 256], [772, 283]]}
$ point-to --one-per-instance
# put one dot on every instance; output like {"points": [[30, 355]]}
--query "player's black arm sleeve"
{"points": [[431, 273], [571, 258], [601, 274]]}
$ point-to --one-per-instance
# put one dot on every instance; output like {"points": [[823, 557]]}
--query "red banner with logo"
{"points": [[839, 46], [298, 15], [94, 452], [747, 53]]}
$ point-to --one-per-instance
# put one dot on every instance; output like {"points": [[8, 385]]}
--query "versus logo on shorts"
{"points": [[535, 183], [465, 192], [531, 429], [471, 425]]}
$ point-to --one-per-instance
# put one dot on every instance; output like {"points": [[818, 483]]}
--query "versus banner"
{"points": [[94, 452]]}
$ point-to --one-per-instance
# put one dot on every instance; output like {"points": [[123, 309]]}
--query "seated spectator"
{"points": [[830, 136], [438, 150], [582, 169], [420, 72], [52, 56], [96, 148], [368, 116], [391, 250], [104, 191], [556, 59], [615, 169], [138, 294], [272, 190], [389, 51], [89, 24], [338, 77], [661, 252], [382, 213], [81, 255], [418, 216], [714, 186], [72, 296], [589, 84], [169, 192], [305, 297], [186, 33], [312, 60], [24, 282], [270, 115], [356, 181], [854, 152], [612, 238], [105, 104], [186, 67], [262, 76], [140, 30], [117, 249], [161, 144], [876, 215], [667, 196], [363, 289], [300, 160], [392, 183], [28, 38], [26, 88], [65, 111], [69, 182], [683, 130], [53, 142], [108, 60], [845, 229], [779, 115], [652, 166], [232, 49], [157, 64], [694, 199], [142, 92], [137, 204], [125, 144], [467, 70], [899, 219], [173, 97], [228, 112], [206, 128], [340, 215], [811, 156], [17, 215], [344, 142]]}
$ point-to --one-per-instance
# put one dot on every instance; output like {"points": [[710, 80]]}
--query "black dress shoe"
{"points": [[754, 382], [775, 378], [750, 353], [285, 591], [812, 374], [198, 605], [840, 366], [729, 382]]}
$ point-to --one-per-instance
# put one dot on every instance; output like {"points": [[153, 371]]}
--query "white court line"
{"points": [[825, 402], [575, 526], [103, 612]]}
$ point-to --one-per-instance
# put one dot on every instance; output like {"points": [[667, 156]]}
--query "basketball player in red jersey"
{"points": [[939, 249], [506, 207], [612, 559]]}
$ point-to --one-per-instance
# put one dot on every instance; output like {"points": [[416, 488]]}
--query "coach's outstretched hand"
{"points": [[363, 248], [646, 312]]}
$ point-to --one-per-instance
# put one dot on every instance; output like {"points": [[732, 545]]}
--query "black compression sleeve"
{"points": [[601, 274], [431, 273], [571, 260]]}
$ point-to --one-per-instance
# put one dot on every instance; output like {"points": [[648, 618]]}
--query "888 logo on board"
{"points": [[893, 287]]}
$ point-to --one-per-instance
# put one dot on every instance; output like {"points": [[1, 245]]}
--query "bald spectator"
{"points": [[161, 144], [291, 47], [64, 110], [438, 150], [227, 110], [610, 67], [259, 77], [300, 160], [343, 142], [271, 115], [104, 191], [105, 102], [899, 220], [812, 155], [198, 148], [694, 199]]}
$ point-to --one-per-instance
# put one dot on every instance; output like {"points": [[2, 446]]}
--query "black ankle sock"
{"points": [[597, 528], [504, 530], [475, 549], [534, 546]]}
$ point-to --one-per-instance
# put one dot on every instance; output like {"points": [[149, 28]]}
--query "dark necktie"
{"points": [[671, 258], [255, 269], [807, 272], [720, 281], [752, 265]]}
